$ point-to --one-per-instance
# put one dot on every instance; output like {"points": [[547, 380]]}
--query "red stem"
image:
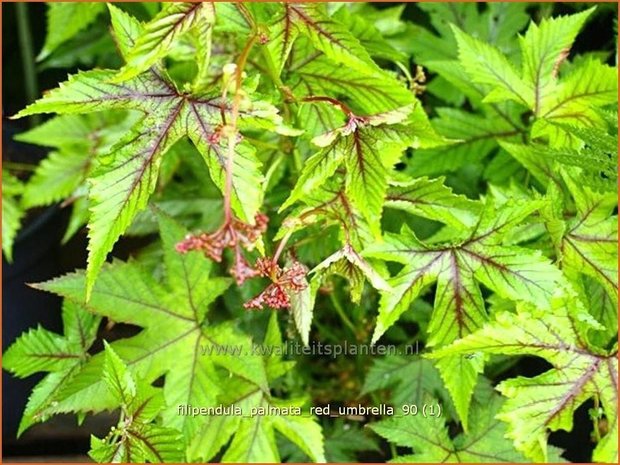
{"points": [[283, 241], [337, 103]]}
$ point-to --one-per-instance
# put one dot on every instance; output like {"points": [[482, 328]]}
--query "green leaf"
{"points": [[56, 178], [65, 20], [126, 30], [331, 37], [368, 149], [330, 206], [431, 442], [125, 178], [547, 402], [410, 379], [158, 445], [370, 94], [159, 34], [369, 36], [590, 243], [604, 310], [432, 199], [41, 350], [150, 443], [253, 432], [572, 100], [543, 47], [135, 439], [487, 65], [177, 340], [346, 441], [470, 138], [117, 377], [480, 255], [575, 101], [302, 307], [346, 262], [457, 267], [369, 154], [317, 169], [40, 401], [282, 35], [12, 213], [176, 335], [80, 132], [253, 436], [79, 140]]}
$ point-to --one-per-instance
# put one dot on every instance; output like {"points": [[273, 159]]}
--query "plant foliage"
{"points": [[450, 183]]}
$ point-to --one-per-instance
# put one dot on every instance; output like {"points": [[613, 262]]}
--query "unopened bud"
{"points": [[229, 69]]}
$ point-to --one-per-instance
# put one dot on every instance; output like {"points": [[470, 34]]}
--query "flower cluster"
{"points": [[233, 234], [238, 235], [283, 282]]}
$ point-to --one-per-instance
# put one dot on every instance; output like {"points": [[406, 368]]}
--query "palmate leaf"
{"points": [[457, 268], [431, 442], [330, 206], [60, 356], [368, 149], [547, 402], [179, 343], [124, 179], [135, 439], [176, 330], [541, 50], [253, 437], [572, 100]]}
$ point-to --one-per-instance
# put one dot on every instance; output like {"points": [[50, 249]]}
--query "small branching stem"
{"points": [[281, 245], [335, 102]]}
